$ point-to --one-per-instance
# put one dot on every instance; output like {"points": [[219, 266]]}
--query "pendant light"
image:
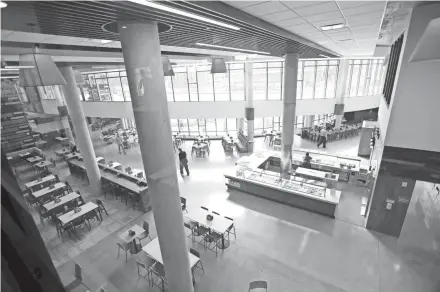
{"points": [[38, 70], [167, 67], [218, 65]]}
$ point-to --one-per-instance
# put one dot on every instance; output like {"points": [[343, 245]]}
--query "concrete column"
{"points": [[84, 141], [249, 110], [142, 57], [64, 120], [289, 107], [309, 121], [341, 86]]}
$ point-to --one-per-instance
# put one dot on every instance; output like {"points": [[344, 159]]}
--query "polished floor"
{"points": [[294, 250]]}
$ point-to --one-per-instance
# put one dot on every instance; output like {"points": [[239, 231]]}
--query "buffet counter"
{"points": [[308, 189]]}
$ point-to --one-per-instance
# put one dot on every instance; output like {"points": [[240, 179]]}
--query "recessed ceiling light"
{"points": [[183, 13], [333, 26], [3, 4], [124, 26], [230, 48]]}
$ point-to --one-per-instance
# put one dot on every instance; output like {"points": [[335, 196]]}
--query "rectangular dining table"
{"points": [[63, 201], [34, 159], [43, 164], [125, 237], [153, 250], [40, 194], [70, 216], [38, 182], [218, 224]]}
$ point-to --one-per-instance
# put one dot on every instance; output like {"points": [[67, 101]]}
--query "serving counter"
{"points": [[298, 192]]}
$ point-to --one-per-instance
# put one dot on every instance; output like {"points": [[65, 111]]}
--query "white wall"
{"points": [[415, 107], [232, 109]]}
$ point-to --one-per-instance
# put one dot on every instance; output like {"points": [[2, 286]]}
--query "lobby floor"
{"points": [[294, 250]]}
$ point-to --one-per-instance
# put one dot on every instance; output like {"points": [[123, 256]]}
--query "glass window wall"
{"points": [[365, 77]]}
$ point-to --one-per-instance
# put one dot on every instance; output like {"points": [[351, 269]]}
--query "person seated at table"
{"points": [[306, 162], [74, 149], [183, 161]]}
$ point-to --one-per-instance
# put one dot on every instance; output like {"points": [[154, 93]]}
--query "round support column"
{"points": [[143, 63], [249, 110], [79, 123], [289, 107]]}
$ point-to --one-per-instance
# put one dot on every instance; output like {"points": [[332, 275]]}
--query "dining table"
{"points": [[128, 238], [34, 159], [68, 217], [64, 200], [219, 224], [39, 181], [41, 194], [43, 164], [24, 155], [61, 153]]}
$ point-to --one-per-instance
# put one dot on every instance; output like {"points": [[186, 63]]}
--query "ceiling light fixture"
{"points": [[344, 40], [9, 77], [105, 41], [18, 67], [230, 48], [183, 13], [3, 4], [324, 56], [333, 26]]}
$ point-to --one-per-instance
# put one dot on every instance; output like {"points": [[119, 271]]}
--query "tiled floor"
{"points": [[294, 250]]}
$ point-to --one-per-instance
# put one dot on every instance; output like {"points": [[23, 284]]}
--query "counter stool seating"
{"points": [[260, 284], [148, 267], [145, 234], [159, 271], [125, 247], [231, 229], [199, 263], [77, 281]]}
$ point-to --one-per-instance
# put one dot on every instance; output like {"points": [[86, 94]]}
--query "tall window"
{"points": [[221, 86], [309, 79], [274, 80], [260, 81], [180, 84], [236, 77], [205, 84], [364, 77]]}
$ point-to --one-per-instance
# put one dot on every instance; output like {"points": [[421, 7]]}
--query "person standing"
{"points": [[306, 163], [120, 143], [183, 162], [323, 137]]}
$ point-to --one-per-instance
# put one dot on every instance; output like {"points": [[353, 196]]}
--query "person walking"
{"points": [[120, 143], [323, 138], [183, 162]]}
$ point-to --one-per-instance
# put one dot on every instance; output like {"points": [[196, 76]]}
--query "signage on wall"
{"points": [[234, 183]]}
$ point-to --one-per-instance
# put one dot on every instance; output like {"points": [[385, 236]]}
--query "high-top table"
{"points": [[153, 250], [218, 224], [34, 159]]}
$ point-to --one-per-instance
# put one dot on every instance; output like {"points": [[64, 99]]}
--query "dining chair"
{"points": [[210, 241], [204, 208], [77, 281], [199, 263], [101, 207], [146, 233], [231, 228], [159, 271], [125, 247], [259, 284], [190, 227], [183, 201]]}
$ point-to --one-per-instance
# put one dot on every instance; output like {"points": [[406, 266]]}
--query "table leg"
{"points": [[225, 243]]}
